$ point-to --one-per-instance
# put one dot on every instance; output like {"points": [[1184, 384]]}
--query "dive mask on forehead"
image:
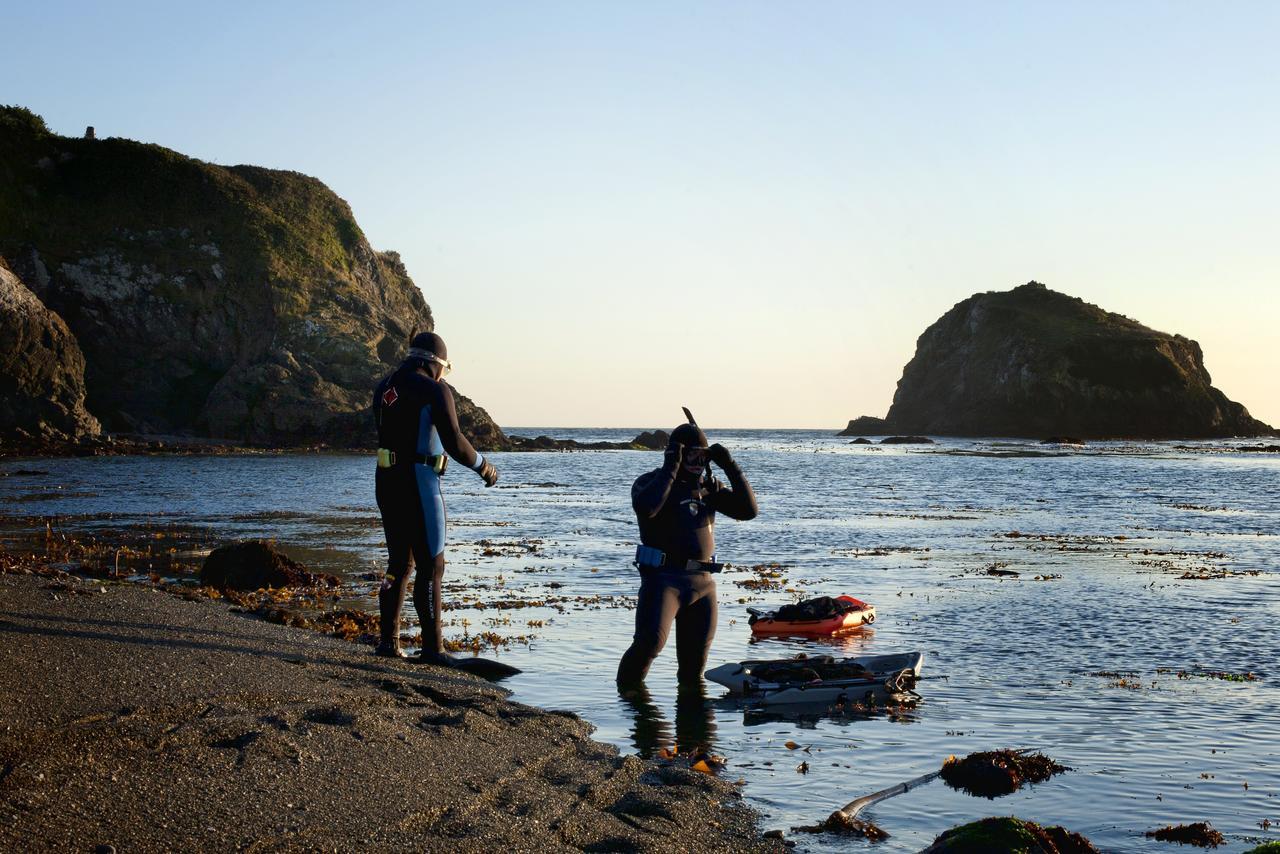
{"points": [[427, 355]]}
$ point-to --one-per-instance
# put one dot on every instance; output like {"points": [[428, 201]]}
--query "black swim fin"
{"points": [[485, 668], [689, 416]]}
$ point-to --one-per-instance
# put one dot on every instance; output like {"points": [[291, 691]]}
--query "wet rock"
{"points": [[1265, 848], [907, 440], [999, 772], [861, 440], [655, 440], [866, 425], [1009, 834], [42, 387], [1062, 440], [1200, 834], [256, 564]]}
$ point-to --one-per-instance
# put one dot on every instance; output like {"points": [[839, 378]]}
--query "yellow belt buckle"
{"points": [[386, 458], [439, 463]]}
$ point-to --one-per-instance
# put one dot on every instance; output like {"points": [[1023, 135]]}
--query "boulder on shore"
{"points": [[1034, 362], [41, 369], [906, 440], [256, 564]]}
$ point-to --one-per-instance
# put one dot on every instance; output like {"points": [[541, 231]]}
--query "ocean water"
{"points": [[1142, 568]]}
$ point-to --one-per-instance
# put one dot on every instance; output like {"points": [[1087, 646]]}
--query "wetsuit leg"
{"points": [[426, 601], [695, 629], [401, 522], [656, 607], [429, 552]]}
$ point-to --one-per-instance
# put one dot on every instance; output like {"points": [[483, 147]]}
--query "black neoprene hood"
{"points": [[430, 342], [690, 435]]}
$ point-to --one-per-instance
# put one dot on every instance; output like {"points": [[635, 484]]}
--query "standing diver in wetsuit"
{"points": [[417, 427], [676, 506]]}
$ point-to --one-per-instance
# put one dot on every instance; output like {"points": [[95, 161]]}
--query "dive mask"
{"points": [[427, 355]]}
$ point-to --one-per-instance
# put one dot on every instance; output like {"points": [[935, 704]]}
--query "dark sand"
{"points": [[137, 719]]}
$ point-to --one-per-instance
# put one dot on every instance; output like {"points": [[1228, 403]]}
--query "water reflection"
{"points": [[695, 729]]}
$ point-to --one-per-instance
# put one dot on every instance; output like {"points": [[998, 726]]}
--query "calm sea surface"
{"points": [[1078, 655]]}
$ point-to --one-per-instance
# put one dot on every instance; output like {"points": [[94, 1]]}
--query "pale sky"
{"points": [[750, 208]]}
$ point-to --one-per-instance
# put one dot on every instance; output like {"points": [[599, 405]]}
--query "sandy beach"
{"points": [[142, 721]]}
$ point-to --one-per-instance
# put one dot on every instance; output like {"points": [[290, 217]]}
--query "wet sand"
{"points": [[137, 719]]}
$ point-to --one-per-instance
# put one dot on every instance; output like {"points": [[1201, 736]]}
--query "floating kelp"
{"points": [[1201, 834], [844, 825], [1009, 834], [999, 772]]}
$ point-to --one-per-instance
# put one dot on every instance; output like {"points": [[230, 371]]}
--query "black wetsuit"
{"points": [[418, 422], [678, 516]]}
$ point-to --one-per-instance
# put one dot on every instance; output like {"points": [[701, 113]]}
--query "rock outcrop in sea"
{"points": [[1032, 362], [232, 302]]}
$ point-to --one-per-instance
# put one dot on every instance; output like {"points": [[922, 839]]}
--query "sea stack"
{"points": [[1032, 362]]}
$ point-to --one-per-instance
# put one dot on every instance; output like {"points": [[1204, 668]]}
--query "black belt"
{"points": [[648, 557], [390, 459]]}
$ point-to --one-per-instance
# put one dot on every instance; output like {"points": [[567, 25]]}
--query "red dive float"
{"points": [[818, 617]]}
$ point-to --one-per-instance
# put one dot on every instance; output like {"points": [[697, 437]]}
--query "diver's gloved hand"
{"points": [[719, 455], [673, 457], [489, 473]]}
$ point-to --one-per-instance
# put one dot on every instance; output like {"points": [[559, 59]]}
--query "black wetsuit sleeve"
{"points": [[738, 501], [445, 416], [650, 492]]}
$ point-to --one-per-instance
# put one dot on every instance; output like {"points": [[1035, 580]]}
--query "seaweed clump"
{"points": [[1009, 834], [999, 772], [1200, 833], [844, 825]]}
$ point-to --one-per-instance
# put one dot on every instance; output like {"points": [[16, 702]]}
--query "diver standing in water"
{"points": [[676, 507], [417, 428]]}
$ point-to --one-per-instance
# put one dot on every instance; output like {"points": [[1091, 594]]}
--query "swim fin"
{"points": [[485, 668]]}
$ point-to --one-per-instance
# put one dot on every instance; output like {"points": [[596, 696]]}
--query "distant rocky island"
{"points": [[145, 292], [1032, 362]]}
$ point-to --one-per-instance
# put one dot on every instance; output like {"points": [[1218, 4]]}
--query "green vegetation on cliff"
{"points": [[235, 302]]}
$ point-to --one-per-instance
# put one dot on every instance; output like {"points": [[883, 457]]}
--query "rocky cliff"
{"points": [[225, 302], [41, 370], [1033, 362]]}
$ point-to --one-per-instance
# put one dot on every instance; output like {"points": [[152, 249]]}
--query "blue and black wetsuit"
{"points": [[677, 515], [418, 423]]}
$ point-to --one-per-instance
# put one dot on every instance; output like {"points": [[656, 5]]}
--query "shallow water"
{"points": [[1109, 529]]}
